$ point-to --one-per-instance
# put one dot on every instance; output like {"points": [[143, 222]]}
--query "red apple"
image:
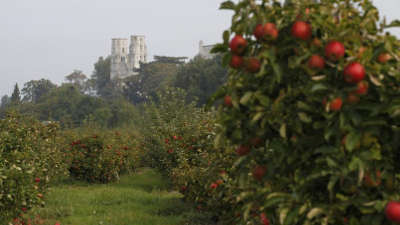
{"points": [[392, 211], [270, 30], [252, 65], [213, 185], [362, 88], [228, 100], [354, 73], [259, 31], [361, 51], [264, 219], [37, 179], [316, 42], [301, 30], [259, 172], [236, 61], [336, 104], [384, 57], [316, 62], [334, 50], [243, 150], [238, 44], [352, 98]]}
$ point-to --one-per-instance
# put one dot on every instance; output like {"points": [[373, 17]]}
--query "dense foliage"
{"points": [[102, 156], [29, 158], [318, 86]]}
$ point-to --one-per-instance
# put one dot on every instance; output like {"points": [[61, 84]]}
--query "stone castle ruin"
{"points": [[205, 50], [126, 57]]}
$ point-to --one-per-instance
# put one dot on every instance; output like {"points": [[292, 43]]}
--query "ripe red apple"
{"points": [[238, 44], [362, 88], [259, 172], [354, 73], [259, 31], [301, 30], [316, 42], [37, 179], [361, 51], [228, 100], [384, 57], [316, 62], [213, 185], [336, 104], [264, 219], [243, 150], [270, 30], [392, 211], [352, 98], [334, 50], [252, 65], [236, 61]]}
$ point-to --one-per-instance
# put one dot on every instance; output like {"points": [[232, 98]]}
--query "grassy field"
{"points": [[139, 199]]}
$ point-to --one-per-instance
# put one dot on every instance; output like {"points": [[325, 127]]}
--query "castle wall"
{"points": [[204, 50], [137, 51], [125, 57], [119, 57]]}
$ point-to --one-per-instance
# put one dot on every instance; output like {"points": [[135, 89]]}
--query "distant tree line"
{"points": [[111, 103]]}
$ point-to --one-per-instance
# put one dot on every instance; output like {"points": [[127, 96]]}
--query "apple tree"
{"points": [[312, 109]]}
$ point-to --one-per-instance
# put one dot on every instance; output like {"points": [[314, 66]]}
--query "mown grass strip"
{"points": [[141, 199]]}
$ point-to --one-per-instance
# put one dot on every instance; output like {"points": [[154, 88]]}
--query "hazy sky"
{"points": [[51, 38]]}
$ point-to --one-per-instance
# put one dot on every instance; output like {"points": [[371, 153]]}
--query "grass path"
{"points": [[139, 199]]}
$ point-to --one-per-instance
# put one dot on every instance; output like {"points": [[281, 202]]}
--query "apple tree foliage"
{"points": [[29, 159], [321, 166]]}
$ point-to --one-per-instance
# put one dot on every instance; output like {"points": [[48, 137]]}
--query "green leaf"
{"points": [[228, 5], [246, 98], [264, 100], [319, 87], [226, 36], [257, 116], [291, 216], [282, 131], [304, 106], [304, 117], [314, 212], [352, 140], [219, 48], [277, 70]]}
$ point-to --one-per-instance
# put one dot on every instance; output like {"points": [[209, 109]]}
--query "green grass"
{"points": [[139, 199]]}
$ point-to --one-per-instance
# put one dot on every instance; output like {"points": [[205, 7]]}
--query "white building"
{"points": [[126, 57], [204, 50]]}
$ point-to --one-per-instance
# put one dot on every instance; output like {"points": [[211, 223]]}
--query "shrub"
{"points": [[29, 159], [101, 156]]}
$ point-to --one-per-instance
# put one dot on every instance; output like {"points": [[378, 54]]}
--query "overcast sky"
{"points": [[50, 38]]}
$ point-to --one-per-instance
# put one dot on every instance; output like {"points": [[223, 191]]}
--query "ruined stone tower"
{"points": [[125, 57]]}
